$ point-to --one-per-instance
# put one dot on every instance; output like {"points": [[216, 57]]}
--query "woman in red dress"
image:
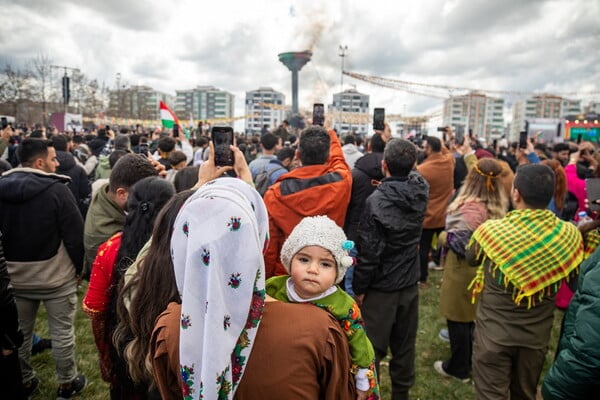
{"points": [[146, 198]]}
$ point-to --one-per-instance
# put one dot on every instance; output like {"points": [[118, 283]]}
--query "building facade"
{"points": [[204, 103], [347, 112], [541, 106], [137, 102], [265, 107], [476, 112]]}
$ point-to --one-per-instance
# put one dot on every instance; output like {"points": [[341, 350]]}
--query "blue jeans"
{"points": [[349, 277]]}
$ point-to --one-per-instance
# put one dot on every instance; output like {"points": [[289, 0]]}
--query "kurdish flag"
{"points": [[168, 117]]}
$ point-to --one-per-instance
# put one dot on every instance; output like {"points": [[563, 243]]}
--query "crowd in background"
{"points": [[510, 225]]}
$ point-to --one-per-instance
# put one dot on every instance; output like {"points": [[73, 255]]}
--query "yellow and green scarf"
{"points": [[530, 249]]}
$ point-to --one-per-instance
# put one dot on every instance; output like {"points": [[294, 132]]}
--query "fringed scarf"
{"points": [[530, 249], [592, 240]]}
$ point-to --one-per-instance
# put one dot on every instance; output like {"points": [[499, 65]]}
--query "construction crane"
{"points": [[442, 91]]}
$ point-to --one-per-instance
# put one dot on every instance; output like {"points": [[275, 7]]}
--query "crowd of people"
{"points": [[296, 271]]}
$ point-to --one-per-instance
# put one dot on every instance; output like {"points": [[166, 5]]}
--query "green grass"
{"points": [[428, 386]]}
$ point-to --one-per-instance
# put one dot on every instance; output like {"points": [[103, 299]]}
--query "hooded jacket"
{"points": [[575, 373], [351, 154], [103, 220], [305, 192], [37, 214], [79, 184], [366, 175], [389, 233]]}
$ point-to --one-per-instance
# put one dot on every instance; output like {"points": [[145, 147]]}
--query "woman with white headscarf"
{"points": [[228, 339]]}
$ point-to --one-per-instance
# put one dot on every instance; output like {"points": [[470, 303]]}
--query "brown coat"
{"points": [[307, 357], [438, 171]]}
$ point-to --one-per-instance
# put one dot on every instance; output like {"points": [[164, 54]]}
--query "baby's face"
{"points": [[314, 270]]}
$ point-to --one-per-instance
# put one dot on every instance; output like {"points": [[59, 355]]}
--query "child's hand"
{"points": [[361, 395]]}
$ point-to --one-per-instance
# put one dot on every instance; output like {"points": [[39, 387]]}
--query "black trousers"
{"points": [[461, 346], [391, 320], [10, 377], [424, 249]]}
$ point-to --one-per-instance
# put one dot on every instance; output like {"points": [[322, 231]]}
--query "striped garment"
{"points": [[592, 240], [531, 249]]}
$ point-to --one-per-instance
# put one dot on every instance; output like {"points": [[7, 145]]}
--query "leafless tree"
{"points": [[42, 71], [15, 85]]}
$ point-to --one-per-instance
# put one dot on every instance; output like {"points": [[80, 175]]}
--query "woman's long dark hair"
{"points": [[154, 287], [146, 198]]}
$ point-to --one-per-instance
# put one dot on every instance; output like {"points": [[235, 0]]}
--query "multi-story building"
{"points": [[348, 110], [138, 102], [593, 108], [266, 107], [541, 106], [481, 114], [204, 102]]}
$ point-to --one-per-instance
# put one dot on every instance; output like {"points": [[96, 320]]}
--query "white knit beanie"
{"points": [[319, 231]]}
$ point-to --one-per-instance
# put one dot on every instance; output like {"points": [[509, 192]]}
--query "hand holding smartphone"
{"points": [[592, 187], [378, 119], [222, 138], [523, 140], [318, 114]]}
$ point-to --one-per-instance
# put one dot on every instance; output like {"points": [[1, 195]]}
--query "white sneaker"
{"points": [[444, 335], [438, 366], [433, 266]]}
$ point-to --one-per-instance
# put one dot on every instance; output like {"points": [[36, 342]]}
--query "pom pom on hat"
{"points": [[319, 231]]}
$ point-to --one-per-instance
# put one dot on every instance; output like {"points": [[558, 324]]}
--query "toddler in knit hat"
{"points": [[315, 256]]}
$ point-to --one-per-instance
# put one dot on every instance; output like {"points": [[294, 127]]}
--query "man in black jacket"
{"points": [[11, 336], [366, 176], [387, 273], [43, 242], [79, 184]]}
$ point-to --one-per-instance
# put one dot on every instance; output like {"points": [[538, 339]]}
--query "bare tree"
{"points": [[41, 70], [15, 85]]}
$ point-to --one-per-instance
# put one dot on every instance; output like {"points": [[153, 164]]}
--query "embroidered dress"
{"points": [[531, 250], [339, 304], [97, 299], [216, 247]]}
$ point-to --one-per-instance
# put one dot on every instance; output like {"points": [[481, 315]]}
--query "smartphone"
{"points": [[107, 128], [318, 114], [4, 123], [592, 188], [222, 138], [495, 144], [523, 140], [459, 138], [379, 119], [579, 138]]}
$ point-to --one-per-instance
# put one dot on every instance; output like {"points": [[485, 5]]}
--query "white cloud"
{"points": [[503, 45]]}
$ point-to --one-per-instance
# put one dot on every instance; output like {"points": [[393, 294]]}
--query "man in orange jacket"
{"points": [[438, 171], [321, 186]]}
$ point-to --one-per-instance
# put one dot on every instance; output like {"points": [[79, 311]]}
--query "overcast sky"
{"points": [[526, 45]]}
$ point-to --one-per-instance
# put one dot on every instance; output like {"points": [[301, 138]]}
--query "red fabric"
{"points": [[96, 299], [576, 185], [285, 212], [563, 296]]}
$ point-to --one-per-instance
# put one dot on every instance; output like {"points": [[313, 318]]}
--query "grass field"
{"points": [[429, 385]]}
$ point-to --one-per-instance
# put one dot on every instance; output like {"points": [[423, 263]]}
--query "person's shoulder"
{"points": [[303, 314]]}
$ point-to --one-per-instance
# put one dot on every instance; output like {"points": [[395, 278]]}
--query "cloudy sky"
{"points": [[524, 45]]}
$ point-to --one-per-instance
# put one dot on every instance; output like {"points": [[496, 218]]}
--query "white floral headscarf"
{"points": [[217, 251]]}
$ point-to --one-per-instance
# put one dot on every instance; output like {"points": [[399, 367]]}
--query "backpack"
{"points": [[262, 181]]}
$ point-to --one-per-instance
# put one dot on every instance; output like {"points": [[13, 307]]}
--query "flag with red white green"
{"points": [[168, 117]]}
